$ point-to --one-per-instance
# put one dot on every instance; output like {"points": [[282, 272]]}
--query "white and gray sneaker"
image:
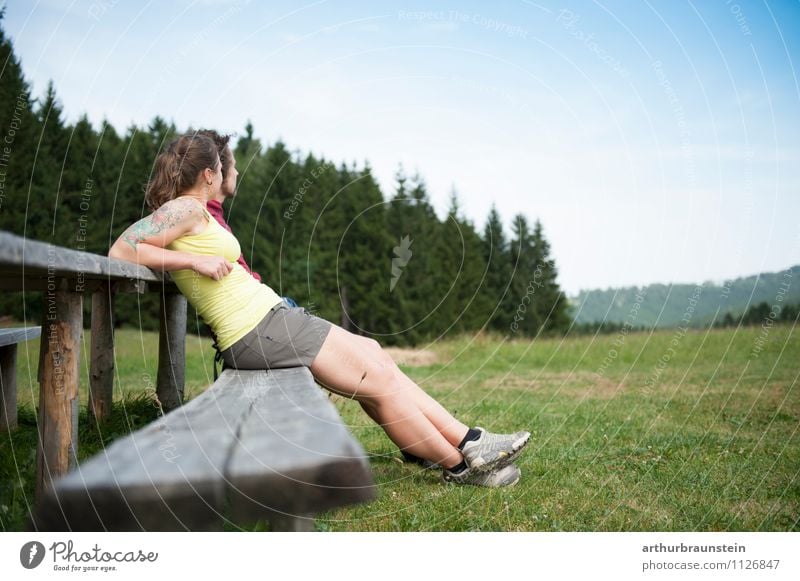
{"points": [[494, 451], [507, 476]]}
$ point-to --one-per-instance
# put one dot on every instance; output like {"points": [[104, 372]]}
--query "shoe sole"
{"points": [[501, 461], [509, 485], [512, 483]]}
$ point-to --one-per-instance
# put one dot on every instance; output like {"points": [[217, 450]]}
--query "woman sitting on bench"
{"points": [[256, 329]]}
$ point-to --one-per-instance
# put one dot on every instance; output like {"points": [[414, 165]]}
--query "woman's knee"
{"points": [[380, 381], [351, 362], [380, 388], [377, 352]]}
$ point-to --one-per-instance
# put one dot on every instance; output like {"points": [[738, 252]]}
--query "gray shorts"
{"points": [[285, 337]]}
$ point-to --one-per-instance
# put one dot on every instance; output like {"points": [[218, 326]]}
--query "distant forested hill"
{"points": [[696, 305]]}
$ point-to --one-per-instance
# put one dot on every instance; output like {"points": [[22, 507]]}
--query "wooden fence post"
{"points": [[62, 326], [8, 388], [171, 351], [101, 374]]}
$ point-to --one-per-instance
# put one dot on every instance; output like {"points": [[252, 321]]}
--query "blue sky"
{"points": [[656, 141]]}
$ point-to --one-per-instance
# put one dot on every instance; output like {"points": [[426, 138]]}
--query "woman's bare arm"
{"points": [[144, 242]]}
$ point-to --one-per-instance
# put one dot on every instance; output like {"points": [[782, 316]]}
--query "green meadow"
{"points": [[661, 431]]}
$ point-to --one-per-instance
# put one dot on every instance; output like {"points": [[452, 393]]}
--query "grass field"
{"points": [[640, 432]]}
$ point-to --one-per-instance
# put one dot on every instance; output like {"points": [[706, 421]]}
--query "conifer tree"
{"points": [[77, 186], [497, 258], [106, 171], [552, 304], [529, 274], [20, 131], [43, 216], [361, 266]]}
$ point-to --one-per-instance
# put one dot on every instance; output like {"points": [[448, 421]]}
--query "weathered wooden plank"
{"points": [[8, 387], [167, 476], [33, 259], [163, 482], [58, 391], [13, 281], [176, 473], [138, 287], [170, 380], [295, 456], [14, 335], [101, 371]]}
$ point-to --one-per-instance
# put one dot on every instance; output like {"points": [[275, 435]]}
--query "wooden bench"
{"points": [[64, 277], [9, 338], [257, 445]]}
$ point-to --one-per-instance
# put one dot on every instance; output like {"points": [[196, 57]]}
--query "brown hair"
{"points": [[223, 147], [177, 168]]}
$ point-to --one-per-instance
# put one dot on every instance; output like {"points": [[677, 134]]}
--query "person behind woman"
{"points": [[256, 329]]}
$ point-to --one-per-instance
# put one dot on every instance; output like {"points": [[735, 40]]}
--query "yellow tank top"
{"points": [[232, 306]]}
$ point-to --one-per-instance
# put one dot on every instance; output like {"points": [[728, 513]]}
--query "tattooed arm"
{"points": [[144, 242]]}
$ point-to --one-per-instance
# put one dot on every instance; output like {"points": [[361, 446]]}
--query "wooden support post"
{"points": [[56, 452], [171, 351], [8, 388], [101, 374]]}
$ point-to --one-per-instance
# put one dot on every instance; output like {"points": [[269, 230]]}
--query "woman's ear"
{"points": [[208, 175]]}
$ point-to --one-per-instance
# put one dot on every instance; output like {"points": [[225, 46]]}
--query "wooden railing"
{"points": [[65, 277]]}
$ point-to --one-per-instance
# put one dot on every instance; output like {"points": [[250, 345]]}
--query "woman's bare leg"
{"points": [[347, 366], [452, 429]]}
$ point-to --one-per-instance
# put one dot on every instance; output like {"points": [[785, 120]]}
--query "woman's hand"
{"points": [[215, 267]]}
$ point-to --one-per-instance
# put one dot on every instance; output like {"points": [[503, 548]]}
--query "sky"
{"points": [[657, 142]]}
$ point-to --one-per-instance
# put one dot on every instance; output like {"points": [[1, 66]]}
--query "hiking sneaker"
{"points": [[494, 451], [507, 476]]}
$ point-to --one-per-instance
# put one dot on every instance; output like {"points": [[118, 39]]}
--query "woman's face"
{"points": [[229, 185]]}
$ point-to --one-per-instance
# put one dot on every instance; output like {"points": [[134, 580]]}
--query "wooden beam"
{"points": [[139, 287], [58, 392], [27, 264], [13, 335], [168, 476], [101, 373], [32, 258], [256, 445], [12, 281], [8, 387], [9, 338], [294, 457], [170, 381]]}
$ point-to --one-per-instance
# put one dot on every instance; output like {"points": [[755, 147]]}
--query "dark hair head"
{"points": [[178, 168], [223, 147]]}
